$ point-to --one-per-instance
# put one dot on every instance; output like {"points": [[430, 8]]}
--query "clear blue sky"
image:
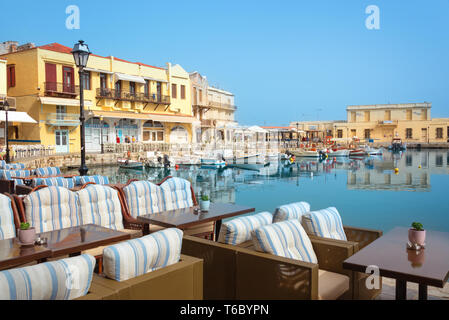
{"points": [[284, 60]]}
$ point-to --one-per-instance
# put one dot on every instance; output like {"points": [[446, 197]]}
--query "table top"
{"points": [[429, 266], [184, 218], [12, 254], [77, 239]]}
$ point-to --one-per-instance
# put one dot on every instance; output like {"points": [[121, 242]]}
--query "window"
{"points": [[424, 114], [11, 76], [339, 133], [132, 87], [201, 98], [153, 131], [353, 116], [439, 133], [367, 116], [86, 80], [173, 90], [60, 112], [183, 92], [118, 89], [367, 133], [353, 133], [387, 115], [103, 81], [408, 115], [147, 88], [409, 133]]}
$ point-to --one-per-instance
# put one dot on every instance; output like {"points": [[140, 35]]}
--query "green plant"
{"points": [[205, 198], [24, 226], [417, 226]]}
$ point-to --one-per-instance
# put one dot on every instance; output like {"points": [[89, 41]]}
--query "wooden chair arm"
{"points": [[331, 253], [361, 235], [23, 190]]}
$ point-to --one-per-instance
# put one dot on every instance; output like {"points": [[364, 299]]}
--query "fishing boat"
{"points": [[130, 164], [212, 164], [397, 145], [338, 152], [252, 162], [357, 153], [371, 151], [306, 153]]}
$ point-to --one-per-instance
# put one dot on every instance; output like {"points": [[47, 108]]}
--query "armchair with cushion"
{"points": [[9, 217]]}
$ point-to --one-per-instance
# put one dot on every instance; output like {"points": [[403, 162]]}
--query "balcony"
{"points": [[106, 93], [224, 106], [387, 123], [207, 123], [53, 89], [63, 119]]}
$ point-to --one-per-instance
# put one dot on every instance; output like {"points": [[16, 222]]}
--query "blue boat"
{"points": [[212, 164]]}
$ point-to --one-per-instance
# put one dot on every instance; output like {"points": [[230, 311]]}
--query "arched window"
{"points": [[153, 131], [179, 134]]}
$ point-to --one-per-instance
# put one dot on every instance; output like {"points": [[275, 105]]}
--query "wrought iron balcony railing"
{"points": [[106, 93], [220, 105], [63, 119], [58, 88]]}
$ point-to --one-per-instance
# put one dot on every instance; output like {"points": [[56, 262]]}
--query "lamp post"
{"points": [[101, 134], [6, 109], [81, 55]]}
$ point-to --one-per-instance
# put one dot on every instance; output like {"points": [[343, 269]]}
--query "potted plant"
{"points": [[417, 234], [27, 234], [204, 203]]}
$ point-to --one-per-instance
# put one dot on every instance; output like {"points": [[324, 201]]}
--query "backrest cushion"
{"points": [[48, 171], [8, 174], [325, 223], [14, 166], [64, 279], [143, 197], [291, 211], [176, 194], [55, 181], [52, 208], [95, 179], [2, 164], [100, 205], [129, 259], [286, 239], [239, 230], [7, 226]]}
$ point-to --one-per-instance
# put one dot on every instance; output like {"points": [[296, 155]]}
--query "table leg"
{"points": [[422, 292], [217, 229], [401, 289]]}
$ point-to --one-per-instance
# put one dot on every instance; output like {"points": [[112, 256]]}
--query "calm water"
{"points": [[367, 192]]}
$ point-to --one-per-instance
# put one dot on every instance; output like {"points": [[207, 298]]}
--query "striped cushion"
{"points": [[325, 223], [95, 179], [239, 230], [8, 174], [52, 208], [14, 166], [176, 194], [129, 259], [286, 239], [64, 279], [143, 197], [56, 181], [2, 164], [7, 226], [48, 171], [291, 211], [101, 205]]}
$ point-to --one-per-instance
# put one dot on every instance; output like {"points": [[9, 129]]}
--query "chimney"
{"points": [[13, 48]]}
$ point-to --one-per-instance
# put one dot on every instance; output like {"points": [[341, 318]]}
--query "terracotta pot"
{"points": [[27, 236], [418, 237]]}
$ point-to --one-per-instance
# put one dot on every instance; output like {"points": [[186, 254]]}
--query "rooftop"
{"points": [[391, 106]]}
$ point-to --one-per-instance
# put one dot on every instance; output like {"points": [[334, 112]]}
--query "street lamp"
{"points": [[81, 55], [6, 109], [101, 134]]}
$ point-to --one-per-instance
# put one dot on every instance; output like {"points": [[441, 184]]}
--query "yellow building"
{"points": [[2, 79], [124, 101]]}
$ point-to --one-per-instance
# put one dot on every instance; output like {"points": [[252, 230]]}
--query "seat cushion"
{"points": [[286, 239], [48, 171], [324, 223], [239, 230], [132, 258], [52, 208], [100, 205], [331, 285], [95, 179], [7, 226], [176, 194], [143, 197], [64, 279], [291, 211], [55, 181]]}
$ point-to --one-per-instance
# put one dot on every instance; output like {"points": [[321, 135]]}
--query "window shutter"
{"points": [[11, 76]]}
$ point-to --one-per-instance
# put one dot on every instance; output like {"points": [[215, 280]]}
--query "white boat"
{"points": [[306, 153], [213, 164], [373, 151], [130, 164], [338, 153], [252, 162], [357, 153]]}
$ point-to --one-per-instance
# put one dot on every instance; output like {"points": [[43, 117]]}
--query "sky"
{"points": [[284, 60]]}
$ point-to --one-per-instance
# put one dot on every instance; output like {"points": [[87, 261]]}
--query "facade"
{"points": [[214, 108], [124, 101], [313, 130], [3, 78]]}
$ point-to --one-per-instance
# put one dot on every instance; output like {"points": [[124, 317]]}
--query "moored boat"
{"points": [[357, 153], [339, 152], [212, 164], [252, 162], [130, 164], [397, 145]]}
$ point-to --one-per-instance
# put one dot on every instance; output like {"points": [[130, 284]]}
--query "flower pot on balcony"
{"points": [[417, 237]]}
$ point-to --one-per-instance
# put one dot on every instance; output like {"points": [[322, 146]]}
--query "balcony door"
{"points": [[68, 80], [62, 141], [50, 77]]}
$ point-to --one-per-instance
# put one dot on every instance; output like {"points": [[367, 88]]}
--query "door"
{"points": [[61, 112], [68, 81], [424, 135], [50, 77], [62, 141], [159, 91]]}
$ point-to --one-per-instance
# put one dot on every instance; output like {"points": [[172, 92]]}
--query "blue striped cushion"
{"points": [[291, 211], [7, 226], [129, 259], [14, 166], [143, 197], [286, 239], [95, 179], [52, 208], [239, 230], [176, 194], [325, 223], [100, 205], [2, 164], [7, 174], [48, 171], [56, 181], [64, 279]]}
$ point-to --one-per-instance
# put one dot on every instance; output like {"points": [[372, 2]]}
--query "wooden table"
{"points": [[428, 267], [12, 254], [187, 217]]}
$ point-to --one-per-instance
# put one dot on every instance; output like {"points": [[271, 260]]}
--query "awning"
{"points": [[64, 102], [145, 116], [98, 70], [153, 79], [16, 116], [130, 78], [257, 129]]}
